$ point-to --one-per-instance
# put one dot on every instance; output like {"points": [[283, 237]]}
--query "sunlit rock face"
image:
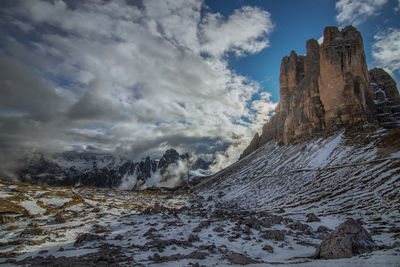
{"points": [[327, 89], [343, 77]]}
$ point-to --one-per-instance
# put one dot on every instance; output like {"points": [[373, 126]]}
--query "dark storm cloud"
{"points": [[128, 76], [24, 92]]}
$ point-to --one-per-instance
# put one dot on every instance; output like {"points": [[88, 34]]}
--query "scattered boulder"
{"points": [[252, 222], [59, 218], [218, 229], [176, 257], [274, 219], [118, 237], [86, 237], [281, 210], [198, 255], [150, 231], [96, 210], [201, 225], [323, 229], [33, 229], [394, 229], [211, 248], [349, 239], [161, 244], [237, 258], [311, 217], [299, 226], [268, 248], [246, 230], [98, 229], [157, 208], [273, 234], [193, 238]]}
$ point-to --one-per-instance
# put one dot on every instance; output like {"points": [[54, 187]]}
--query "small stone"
{"points": [[118, 237], [59, 218], [281, 210], [298, 226], [193, 238], [311, 217], [268, 248], [86, 237], [218, 229], [156, 257], [98, 229], [323, 229]]}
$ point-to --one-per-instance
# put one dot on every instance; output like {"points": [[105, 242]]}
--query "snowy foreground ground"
{"points": [[256, 212], [95, 227]]}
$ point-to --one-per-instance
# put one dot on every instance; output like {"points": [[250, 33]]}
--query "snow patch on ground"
{"points": [[32, 207]]}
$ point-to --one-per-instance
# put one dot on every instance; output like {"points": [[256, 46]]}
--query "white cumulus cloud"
{"points": [[356, 12], [386, 49]]}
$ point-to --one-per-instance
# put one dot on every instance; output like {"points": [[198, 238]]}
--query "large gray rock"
{"points": [[349, 239]]}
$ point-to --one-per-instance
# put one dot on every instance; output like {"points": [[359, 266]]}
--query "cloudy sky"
{"points": [[135, 77]]}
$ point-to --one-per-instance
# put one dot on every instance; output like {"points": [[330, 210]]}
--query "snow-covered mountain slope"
{"points": [[348, 173], [275, 206], [107, 170]]}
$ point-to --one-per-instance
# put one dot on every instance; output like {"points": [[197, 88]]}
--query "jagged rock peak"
{"points": [[328, 89], [333, 35]]}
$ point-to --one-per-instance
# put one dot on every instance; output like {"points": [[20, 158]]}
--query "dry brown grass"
{"points": [[7, 206], [12, 228], [18, 197], [56, 193], [49, 209], [76, 200], [4, 183]]}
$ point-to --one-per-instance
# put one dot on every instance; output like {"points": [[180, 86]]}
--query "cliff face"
{"points": [[327, 89], [343, 77]]}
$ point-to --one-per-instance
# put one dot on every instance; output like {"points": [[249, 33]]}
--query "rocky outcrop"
{"points": [[327, 89], [386, 100], [343, 77], [349, 239]]}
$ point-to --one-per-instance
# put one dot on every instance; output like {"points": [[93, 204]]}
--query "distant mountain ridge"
{"points": [[107, 170], [327, 89]]}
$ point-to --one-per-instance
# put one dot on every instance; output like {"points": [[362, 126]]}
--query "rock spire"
{"points": [[327, 89]]}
